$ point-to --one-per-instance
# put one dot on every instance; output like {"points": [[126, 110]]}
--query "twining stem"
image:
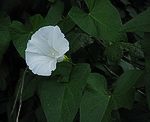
{"points": [[16, 98], [20, 91], [111, 71]]}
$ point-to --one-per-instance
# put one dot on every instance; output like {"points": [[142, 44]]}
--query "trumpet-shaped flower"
{"points": [[46, 47]]}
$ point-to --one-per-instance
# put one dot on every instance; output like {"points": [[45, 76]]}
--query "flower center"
{"points": [[53, 53]]}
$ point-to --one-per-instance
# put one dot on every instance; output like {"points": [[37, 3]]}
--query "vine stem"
{"points": [[15, 102], [20, 91], [110, 71]]}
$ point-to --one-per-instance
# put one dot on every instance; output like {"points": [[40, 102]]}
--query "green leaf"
{"points": [[20, 36], [4, 34], [30, 86], [126, 66], [66, 25], [139, 23], [97, 22], [36, 21], [96, 103], [133, 49], [54, 14], [97, 82], [78, 40], [63, 71], [21, 33], [123, 94], [125, 100], [127, 81], [60, 101], [51, 96], [114, 52]]}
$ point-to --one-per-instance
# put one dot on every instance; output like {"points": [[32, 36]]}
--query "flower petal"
{"points": [[41, 39], [39, 64], [60, 44], [31, 47]]}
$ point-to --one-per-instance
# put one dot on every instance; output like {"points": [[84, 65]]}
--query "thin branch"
{"points": [[141, 92], [110, 71], [21, 91], [16, 98]]}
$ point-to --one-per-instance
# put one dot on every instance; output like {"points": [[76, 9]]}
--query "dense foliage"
{"points": [[108, 77]]}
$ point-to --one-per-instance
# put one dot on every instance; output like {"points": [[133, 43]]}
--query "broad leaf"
{"points": [[114, 53], [54, 14], [36, 21], [123, 94], [97, 22], [30, 86], [60, 101], [20, 36], [21, 33], [63, 71], [66, 25], [139, 23], [96, 103], [126, 66], [78, 40]]}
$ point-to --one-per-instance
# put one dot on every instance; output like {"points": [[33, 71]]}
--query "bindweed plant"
{"points": [[74, 61]]}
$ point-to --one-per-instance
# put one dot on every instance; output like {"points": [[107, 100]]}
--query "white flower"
{"points": [[46, 47]]}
